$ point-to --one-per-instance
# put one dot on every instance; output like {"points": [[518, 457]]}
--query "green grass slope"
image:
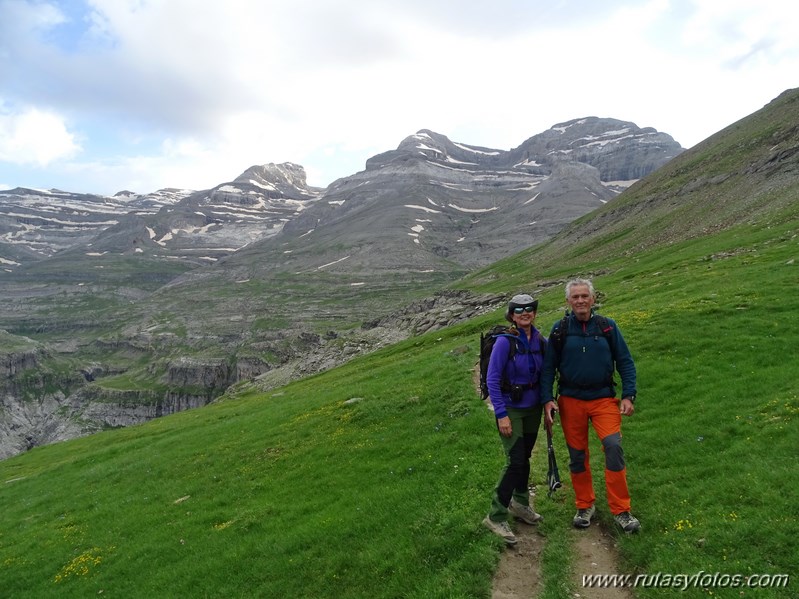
{"points": [[370, 480]]}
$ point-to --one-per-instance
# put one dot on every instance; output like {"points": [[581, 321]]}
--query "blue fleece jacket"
{"points": [[523, 368], [586, 362]]}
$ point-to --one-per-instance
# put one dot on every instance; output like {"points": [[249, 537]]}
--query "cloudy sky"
{"points": [[97, 96]]}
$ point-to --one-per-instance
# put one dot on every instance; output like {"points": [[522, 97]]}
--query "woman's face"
{"points": [[523, 317]]}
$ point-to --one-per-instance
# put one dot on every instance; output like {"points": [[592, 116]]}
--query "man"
{"points": [[584, 358]]}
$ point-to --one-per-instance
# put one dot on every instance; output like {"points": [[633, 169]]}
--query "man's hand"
{"points": [[550, 410], [626, 407]]}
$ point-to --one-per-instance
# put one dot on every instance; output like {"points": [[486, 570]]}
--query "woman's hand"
{"points": [[505, 428]]}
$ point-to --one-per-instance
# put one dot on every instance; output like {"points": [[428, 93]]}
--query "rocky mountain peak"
{"points": [[621, 150], [287, 178], [431, 146]]}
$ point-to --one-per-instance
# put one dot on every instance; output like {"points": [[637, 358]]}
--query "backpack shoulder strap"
{"points": [[607, 331], [558, 335], [513, 340]]}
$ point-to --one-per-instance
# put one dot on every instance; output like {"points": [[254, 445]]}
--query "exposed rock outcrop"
{"points": [[13, 363]]}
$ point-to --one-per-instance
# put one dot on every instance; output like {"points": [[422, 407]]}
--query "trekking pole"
{"points": [[553, 476]]}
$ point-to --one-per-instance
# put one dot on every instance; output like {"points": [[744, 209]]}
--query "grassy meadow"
{"points": [[371, 480]]}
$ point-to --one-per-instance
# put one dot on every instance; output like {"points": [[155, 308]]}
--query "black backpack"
{"points": [[487, 341], [558, 337]]}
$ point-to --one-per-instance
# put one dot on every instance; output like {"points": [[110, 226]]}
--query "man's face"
{"points": [[581, 301]]}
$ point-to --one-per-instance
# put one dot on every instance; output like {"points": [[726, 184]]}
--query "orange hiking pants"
{"points": [[605, 417]]}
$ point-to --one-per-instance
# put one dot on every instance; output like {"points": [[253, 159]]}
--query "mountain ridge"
{"points": [[270, 191]]}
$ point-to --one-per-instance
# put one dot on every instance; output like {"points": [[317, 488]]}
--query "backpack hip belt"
{"points": [[526, 386]]}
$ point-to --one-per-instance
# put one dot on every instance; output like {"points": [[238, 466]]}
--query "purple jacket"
{"points": [[523, 369]]}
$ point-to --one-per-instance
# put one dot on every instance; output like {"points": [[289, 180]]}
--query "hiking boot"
{"points": [[582, 519], [525, 513], [627, 521], [500, 529]]}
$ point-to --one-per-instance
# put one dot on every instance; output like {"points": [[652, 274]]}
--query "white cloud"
{"points": [[157, 94], [35, 137]]}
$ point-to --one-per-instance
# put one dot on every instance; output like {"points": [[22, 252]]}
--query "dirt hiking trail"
{"points": [[518, 575]]}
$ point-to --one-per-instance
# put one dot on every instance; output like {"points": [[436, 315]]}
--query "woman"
{"points": [[513, 388]]}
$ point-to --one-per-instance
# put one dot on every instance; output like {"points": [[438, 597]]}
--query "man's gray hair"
{"points": [[579, 282]]}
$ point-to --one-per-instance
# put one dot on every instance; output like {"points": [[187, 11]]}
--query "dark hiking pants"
{"points": [[515, 478]]}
